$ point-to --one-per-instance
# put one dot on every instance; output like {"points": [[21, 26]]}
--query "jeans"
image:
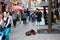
{"points": [[14, 23], [24, 20], [6, 33], [33, 19], [0, 28]]}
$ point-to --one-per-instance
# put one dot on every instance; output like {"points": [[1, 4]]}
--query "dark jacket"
{"points": [[24, 15], [39, 15]]}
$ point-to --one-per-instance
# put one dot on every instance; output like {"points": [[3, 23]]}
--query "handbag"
{"points": [[28, 33], [54, 16], [32, 32]]}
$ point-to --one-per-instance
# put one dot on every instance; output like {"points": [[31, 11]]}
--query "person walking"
{"points": [[24, 17], [33, 17], [6, 23], [54, 17], [11, 19], [38, 15], [14, 16], [28, 14]]}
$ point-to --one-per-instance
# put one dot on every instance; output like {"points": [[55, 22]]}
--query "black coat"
{"points": [[39, 15]]}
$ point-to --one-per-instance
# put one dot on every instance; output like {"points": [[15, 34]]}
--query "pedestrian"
{"points": [[10, 16], [24, 17], [38, 16], [18, 15], [11, 19], [6, 23], [33, 17], [54, 17], [14, 16], [10, 12], [52, 20], [28, 13]]}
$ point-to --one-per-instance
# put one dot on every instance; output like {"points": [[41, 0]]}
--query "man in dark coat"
{"points": [[28, 13], [39, 15], [24, 17]]}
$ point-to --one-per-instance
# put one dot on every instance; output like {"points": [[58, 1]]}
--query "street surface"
{"points": [[18, 33]]}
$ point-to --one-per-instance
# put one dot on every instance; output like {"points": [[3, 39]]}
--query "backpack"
{"points": [[14, 16], [24, 15]]}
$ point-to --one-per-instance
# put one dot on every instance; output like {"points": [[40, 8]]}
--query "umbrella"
{"points": [[17, 8]]}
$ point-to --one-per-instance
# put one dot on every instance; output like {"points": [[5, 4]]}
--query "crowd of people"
{"points": [[9, 18]]}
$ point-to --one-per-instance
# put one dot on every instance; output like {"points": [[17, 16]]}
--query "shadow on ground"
{"points": [[44, 31]]}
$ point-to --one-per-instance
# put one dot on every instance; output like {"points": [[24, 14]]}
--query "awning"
{"points": [[43, 4], [2, 0]]}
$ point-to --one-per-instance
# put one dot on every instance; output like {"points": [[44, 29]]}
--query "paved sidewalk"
{"points": [[18, 33]]}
